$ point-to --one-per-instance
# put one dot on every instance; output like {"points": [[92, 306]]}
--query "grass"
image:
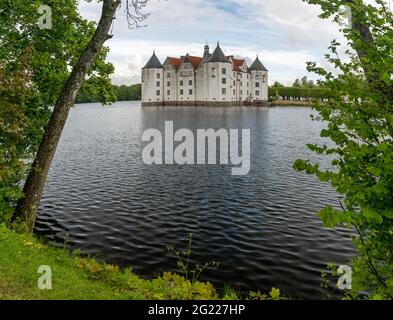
{"points": [[79, 278]]}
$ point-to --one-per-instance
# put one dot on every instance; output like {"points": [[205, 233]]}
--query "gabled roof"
{"points": [[195, 61], [257, 66], [218, 55], [176, 62], [237, 63], [153, 63]]}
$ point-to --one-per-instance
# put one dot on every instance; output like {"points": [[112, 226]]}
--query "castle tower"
{"points": [[259, 81], [206, 52], [218, 69], [153, 82]]}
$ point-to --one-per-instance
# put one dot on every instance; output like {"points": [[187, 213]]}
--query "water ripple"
{"points": [[101, 198]]}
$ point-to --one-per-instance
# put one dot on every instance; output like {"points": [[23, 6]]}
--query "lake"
{"points": [[262, 228]]}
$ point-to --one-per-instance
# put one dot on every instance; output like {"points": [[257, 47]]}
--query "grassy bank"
{"points": [[77, 277]]}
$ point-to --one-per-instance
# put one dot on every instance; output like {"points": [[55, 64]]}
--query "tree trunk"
{"points": [[370, 72], [26, 210]]}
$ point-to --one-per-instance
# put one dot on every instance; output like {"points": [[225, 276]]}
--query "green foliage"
{"points": [[293, 93], [56, 50], [359, 122], [78, 277], [274, 294], [121, 93], [22, 117], [34, 65], [303, 83], [192, 275]]}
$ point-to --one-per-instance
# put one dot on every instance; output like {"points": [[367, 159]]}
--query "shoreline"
{"points": [[290, 103]]}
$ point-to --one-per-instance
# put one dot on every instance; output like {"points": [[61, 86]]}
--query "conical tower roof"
{"points": [[218, 55], [153, 63], [257, 65]]}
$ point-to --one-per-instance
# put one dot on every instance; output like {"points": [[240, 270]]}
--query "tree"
{"points": [[34, 65], [25, 213], [22, 116], [359, 119], [277, 85], [297, 84], [304, 82]]}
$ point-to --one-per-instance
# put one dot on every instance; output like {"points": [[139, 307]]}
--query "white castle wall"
{"points": [[152, 85], [205, 84]]}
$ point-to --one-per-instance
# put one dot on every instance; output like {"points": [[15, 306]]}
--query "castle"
{"points": [[212, 80]]}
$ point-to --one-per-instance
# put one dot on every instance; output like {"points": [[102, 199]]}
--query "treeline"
{"points": [[122, 93], [302, 89], [293, 93]]}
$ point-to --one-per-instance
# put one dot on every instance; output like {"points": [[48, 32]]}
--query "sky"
{"points": [[284, 33]]}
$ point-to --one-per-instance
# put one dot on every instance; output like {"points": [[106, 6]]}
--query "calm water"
{"points": [[262, 227]]}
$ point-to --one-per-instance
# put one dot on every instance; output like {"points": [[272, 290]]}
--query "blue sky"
{"points": [[285, 33]]}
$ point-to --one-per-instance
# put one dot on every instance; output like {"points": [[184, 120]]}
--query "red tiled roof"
{"points": [[237, 63], [176, 62], [195, 61]]}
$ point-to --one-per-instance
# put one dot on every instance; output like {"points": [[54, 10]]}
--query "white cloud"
{"points": [[285, 33]]}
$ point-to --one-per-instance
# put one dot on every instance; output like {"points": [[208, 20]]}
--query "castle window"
{"points": [[224, 71], [257, 93], [257, 84], [190, 91], [158, 76], [234, 91], [224, 81], [169, 75], [158, 83], [158, 92], [168, 84], [181, 92], [264, 78], [241, 92], [181, 83], [168, 92], [224, 91], [241, 83], [234, 82], [190, 82]]}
